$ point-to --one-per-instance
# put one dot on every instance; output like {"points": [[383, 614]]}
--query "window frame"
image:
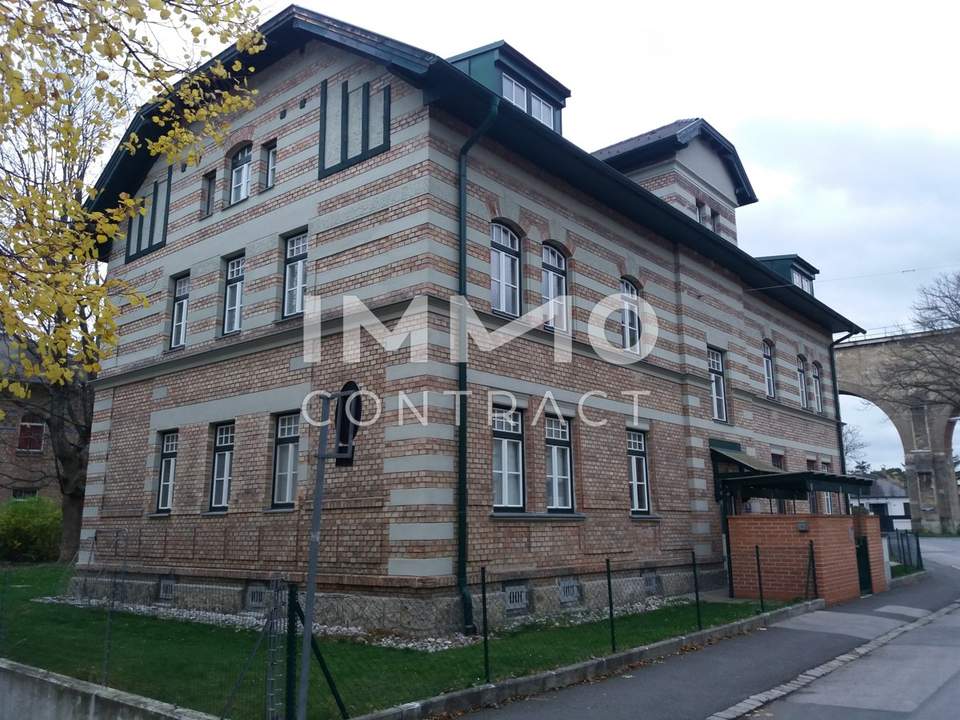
{"points": [[167, 454], [227, 480], [770, 368], [23, 494], [553, 446], [512, 97], [637, 459], [802, 382], [504, 438], [817, 378], [630, 307], [237, 280], [241, 160], [154, 221], [717, 371], [545, 107], [33, 424], [181, 301], [549, 271], [501, 255], [282, 442], [208, 194], [298, 261], [268, 157]]}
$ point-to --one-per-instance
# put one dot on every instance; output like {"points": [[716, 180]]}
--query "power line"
{"points": [[859, 277]]}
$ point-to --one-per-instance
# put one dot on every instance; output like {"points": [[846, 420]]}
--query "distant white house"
{"points": [[889, 501]]}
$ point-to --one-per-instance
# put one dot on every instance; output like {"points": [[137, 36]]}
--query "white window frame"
{"points": [[514, 92], [286, 459], [802, 382], [507, 429], [181, 300], [630, 328], [270, 164], [554, 288], [169, 444], [769, 368], [639, 474], [240, 174], [559, 464], [224, 436], [233, 295], [504, 262], [294, 274], [541, 110], [818, 387], [208, 193], [718, 390]]}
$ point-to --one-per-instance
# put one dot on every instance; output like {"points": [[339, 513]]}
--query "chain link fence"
{"points": [[235, 652]]}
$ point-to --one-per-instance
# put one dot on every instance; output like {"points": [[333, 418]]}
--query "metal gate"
{"points": [[863, 566]]}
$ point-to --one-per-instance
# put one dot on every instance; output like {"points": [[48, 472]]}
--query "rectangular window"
{"points": [[208, 193], [223, 438], [554, 288], [169, 441], [294, 274], [778, 461], [514, 93], [268, 164], [828, 503], [181, 296], [717, 386], [148, 230], [715, 221], [233, 296], [802, 382], [286, 459], [240, 175], [504, 270], [558, 464], [701, 213], [25, 493], [801, 280], [507, 460], [817, 388], [541, 110], [30, 435], [639, 482], [769, 372]]}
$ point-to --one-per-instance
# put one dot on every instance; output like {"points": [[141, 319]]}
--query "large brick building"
{"points": [[374, 169]]}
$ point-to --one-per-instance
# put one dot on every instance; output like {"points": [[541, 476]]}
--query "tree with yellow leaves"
{"points": [[71, 71]]}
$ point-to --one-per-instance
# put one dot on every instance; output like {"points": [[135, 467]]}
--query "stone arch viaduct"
{"points": [[925, 429]]}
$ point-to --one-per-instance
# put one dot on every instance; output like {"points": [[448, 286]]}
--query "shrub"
{"points": [[30, 530]]}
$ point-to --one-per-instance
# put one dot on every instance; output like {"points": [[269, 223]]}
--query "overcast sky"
{"points": [[844, 114]]}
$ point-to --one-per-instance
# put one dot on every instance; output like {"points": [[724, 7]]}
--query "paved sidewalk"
{"points": [[695, 685]]}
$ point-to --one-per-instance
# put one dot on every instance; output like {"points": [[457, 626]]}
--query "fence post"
{"points": [[486, 629], [759, 578], [290, 704], [813, 564], [901, 545], [916, 537], [696, 588], [613, 634]]}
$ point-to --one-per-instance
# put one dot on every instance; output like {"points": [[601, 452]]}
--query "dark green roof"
{"points": [[447, 87]]}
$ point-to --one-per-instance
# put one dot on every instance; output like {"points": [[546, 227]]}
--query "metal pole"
{"points": [[290, 706], [759, 578], [312, 562], [324, 668], [486, 629], [696, 588], [613, 635], [919, 555], [813, 564]]}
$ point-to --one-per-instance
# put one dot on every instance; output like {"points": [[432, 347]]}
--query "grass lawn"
{"points": [[901, 570], [197, 665]]}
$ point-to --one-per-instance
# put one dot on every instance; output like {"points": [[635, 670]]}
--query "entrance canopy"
{"points": [[739, 473]]}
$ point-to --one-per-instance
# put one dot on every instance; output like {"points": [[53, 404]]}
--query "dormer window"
{"points": [[514, 92], [541, 110], [802, 280]]}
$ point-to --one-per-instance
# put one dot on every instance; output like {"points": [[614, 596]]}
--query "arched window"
{"points": [[554, 284], [802, 381], [630, 316], [769, 369], [504, 270], [240, 174], [30, 437], [817, 387]]}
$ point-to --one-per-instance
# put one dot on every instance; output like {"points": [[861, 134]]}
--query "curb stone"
{"points": [[472, 698], [905, 580], [750, 704]]}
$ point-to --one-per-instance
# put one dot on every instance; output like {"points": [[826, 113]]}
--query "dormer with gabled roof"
{"points": [[691, 166]]}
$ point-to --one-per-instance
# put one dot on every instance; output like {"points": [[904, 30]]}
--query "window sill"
{"points": [[213, 513], [174, 350], [721, 422], [281, 509], [29, 453], [289, 318], [232, 205], [538, 516], [644, 517], [159, 514]]}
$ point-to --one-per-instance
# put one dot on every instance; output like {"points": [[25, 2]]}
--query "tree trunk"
{"points": [[72, 519]]}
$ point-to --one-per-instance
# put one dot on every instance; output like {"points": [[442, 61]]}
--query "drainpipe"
{"points": [[466, 599], [836, 406]]}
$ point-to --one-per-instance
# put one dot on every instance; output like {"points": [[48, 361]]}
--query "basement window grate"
{"points": [[517, 597], [256, 597], [569, 589], [166, 589]]}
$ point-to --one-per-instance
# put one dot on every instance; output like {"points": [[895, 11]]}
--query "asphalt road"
{"points": [[695, 685]]}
